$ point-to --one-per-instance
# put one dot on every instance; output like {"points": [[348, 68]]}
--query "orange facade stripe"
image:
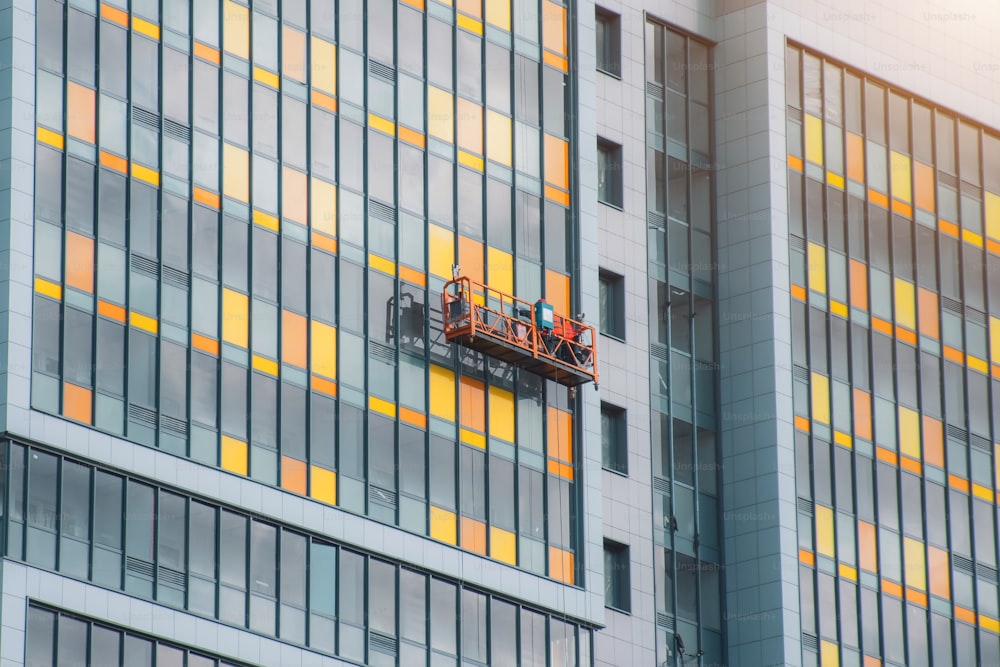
{"points": [[807, 557], [795, 163], [887, 455], [802, 423], [206, 53], [324, 101], [892, 588], [993, 246], [878, 198], [882, 326], [951, 354], [906, 336], [207, 198], [799, 292], [114, 14], [413, 417], [325, 242], [205, 344], [112, 161], [949, 228], [914, 466], [412, 276], [324, 386], [411, 136], [967, 615], [557, 195], [111, 311], [916, 597], [902, 208], [956, 482]]}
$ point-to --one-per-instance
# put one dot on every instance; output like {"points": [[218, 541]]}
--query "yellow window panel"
{"points": [[442, 394], [557, 161], [323, 485], [236, 29], [916, 568], [382, 406], [324, 66], [234, 455], [554, 27], [995, 339], [441, 251], [443, 525], [905, 309], [235, 317], [501, 414], [820, 398], [235, 173], [498, 13], [829, 655], [909, 432], [293, 53], [825, 543], [324, 349], [503, 545], [500, 267], [498, 137], [902, 188], [440, 114], [323, 212], [814, 139], [817, 268]]}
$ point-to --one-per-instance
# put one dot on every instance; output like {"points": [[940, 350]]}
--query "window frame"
{"points": [[618, 421], [610, 150], [614, 284], [608, 37], [621, 586]]}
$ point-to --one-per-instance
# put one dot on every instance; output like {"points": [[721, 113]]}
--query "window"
{"points": [[617, 587], [609, 173], [614, 445], [609, 52], [612, 304]]}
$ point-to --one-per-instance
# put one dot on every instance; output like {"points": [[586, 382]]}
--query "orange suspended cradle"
{"points": [[529, 335]]}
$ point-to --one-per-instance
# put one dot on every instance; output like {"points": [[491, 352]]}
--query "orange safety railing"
{"points": [[474, 310]]}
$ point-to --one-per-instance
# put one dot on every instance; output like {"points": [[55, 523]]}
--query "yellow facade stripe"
{"points": [[970, 236], [847, 572], [382, 124], [842, 438], [470, 160], [991, 624], [382, 406], [266, 220], [49, 289], [469, 23], [144, 322], [145, 28], [382, 264], [267, 78], [151, 176], [981, 491], [473, 438], [838, 308], [836, 180], [977, 364], [265, 365], [51, 138]]}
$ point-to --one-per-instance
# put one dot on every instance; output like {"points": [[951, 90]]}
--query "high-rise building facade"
{"points": [[235, 431]]}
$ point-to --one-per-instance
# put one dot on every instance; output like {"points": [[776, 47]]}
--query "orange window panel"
{"points": [[470, 126], [855, 157], [77, 402], [294, 195], [473, 403], [293, 53], [498, 137], [928, 316], [557, 292], [471, 7], [80, 262], [293, 339], [293, 475], [473, 535], [867, 546], [923, 177], [859, 284], [554, 27], [470, 258], [561, 565], [560, 435], [557, 161], [933, 440], [862, 414], [80, 102]]}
